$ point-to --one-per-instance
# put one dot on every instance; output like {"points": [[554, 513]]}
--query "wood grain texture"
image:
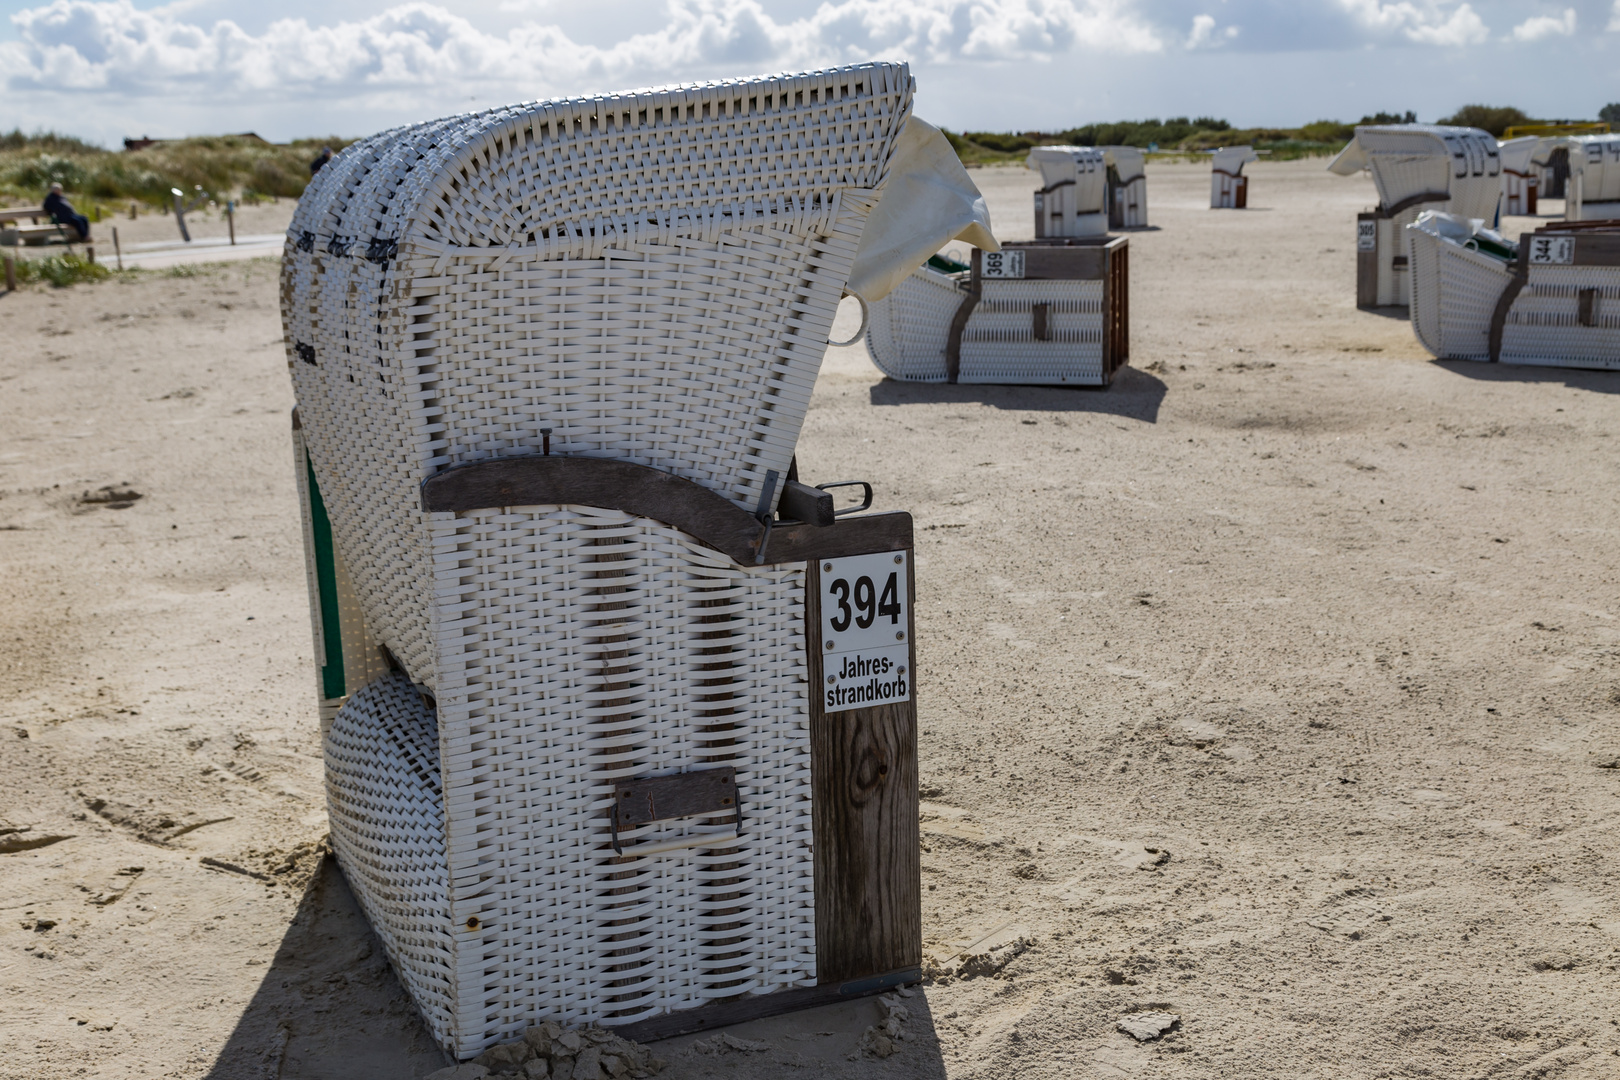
{"points": [[1366, 268], [742, 1009], [868, 868]]}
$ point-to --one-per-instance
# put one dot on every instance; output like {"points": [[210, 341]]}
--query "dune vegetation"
{"points": [[241, 167]]}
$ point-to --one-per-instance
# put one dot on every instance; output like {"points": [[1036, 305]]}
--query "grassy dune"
{"points": [[225, 166]]}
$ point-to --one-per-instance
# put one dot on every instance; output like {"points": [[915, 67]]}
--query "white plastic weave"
{"points": [[1454, 292], [1543, 327], [909, 329], [1128, 178], [387, 826], [580, 647], [652, 276]]}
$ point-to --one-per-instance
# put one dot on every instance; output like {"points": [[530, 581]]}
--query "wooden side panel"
{"points": [[1062, 263], [868, 866], [1366, 266]]}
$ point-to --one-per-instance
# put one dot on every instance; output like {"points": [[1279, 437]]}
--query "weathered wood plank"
{"points": [[743, 1009], [868, 869]]}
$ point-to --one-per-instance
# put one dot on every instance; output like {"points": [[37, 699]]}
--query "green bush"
{"points": [[1492, 118], [1409, 117]]}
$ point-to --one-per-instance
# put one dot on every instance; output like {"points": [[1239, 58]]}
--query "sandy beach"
{"points": [[1275, 687]]}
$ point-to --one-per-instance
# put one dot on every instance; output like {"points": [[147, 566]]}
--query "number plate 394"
{"points": [[865, 631]]}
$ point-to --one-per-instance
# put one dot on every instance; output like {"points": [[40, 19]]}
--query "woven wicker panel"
{"points": [[386, 813], [652, 275], [1417, 159], [1454, 292], [579, 647], [1543, 326], [999, 345], [909, 329]]}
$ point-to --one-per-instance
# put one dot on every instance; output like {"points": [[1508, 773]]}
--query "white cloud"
{"points": [[1614, 18], [1426, 24], [1542, 26], [111, 45], [1203, 34]]}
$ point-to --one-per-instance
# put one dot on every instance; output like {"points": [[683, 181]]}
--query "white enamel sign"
{"points": [[1366, 236], [1003, 264], [1552, 249], [865, 631]]}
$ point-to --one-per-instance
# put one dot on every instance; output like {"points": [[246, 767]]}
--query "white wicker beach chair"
{"points": [[1552, 299], [1127, 187], [1073, 197], [1521, 179], [1228, 187], [1415, 167], [1593, 193], [551, 363], [1046, 313]]}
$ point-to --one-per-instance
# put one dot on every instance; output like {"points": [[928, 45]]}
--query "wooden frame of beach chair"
{"points": [[584, 757]]}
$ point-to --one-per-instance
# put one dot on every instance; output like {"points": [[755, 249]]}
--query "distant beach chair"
{"points": [[1593, 193], [551, 363], [1544, 300], [1073, 197], [1228, 187], [1521, 179], [1074, 200], [1044, 312], [1415, 167], [1127, 187]]}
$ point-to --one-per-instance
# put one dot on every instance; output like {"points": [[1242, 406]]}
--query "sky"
{"points": [[104, 69]]}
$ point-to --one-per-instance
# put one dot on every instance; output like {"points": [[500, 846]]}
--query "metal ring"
{"points": [[866, 315]]}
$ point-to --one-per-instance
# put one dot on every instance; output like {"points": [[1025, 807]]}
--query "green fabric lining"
{"points": [[332, 680]]}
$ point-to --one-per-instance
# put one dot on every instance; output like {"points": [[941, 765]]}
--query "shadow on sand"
{"points": [[1135, 395], [329, 1007], [1389, 311], [1598, 382]]}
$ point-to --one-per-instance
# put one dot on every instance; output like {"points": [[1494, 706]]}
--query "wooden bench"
{"points": [[21, 213], [34, 235]]}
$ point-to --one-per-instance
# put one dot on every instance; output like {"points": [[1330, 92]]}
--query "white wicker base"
{"points": [[1454, 292], [626, 650], [1543, 327]]}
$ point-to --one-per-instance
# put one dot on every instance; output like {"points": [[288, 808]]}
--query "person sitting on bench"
{"points": [[62, 213]]}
